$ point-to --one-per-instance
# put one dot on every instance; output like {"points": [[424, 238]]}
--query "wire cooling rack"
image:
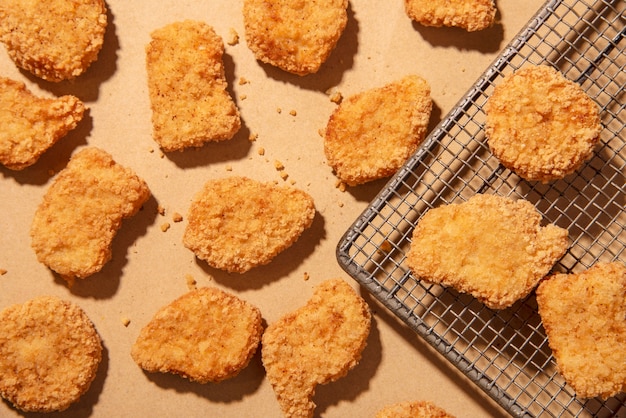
{"points": [[506, 353]]}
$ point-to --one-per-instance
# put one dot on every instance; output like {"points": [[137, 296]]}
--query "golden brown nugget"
{"points": [[471, 15], [316, 344], [491, 247], [236, 223], [541, 125], [416, 409], [293, 35], [74, 226], [187, 87], [30, 125], [584, 316], [206, 335], [49, 354], [372, 134], [55, 40]]}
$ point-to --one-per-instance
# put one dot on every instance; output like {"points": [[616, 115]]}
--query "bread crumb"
{"points": [[233, 37], [292, 182], [261, 151], [278, 165], [340, 204], [293, 112], [177, 217], [253, 137], [165, 226], [161, 210], [3, 272], [191, 282], [284, 175], [243, 80], [385, 246], [279, 110], [336, 97], [229, 168], [125, 321], [243, 96], [340, 185], [306, 276]]}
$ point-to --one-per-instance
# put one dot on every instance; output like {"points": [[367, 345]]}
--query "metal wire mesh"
{"points": [[506, 352]]}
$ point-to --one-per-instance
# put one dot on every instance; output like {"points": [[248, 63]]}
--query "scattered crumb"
{"points": [[261, 151], [161, 154], [284, 175], [125, 321], [161, 210], [306, 276], [3, 272], [336, 97], [191, 282], [340, 204], [229, 168], [243, 80], [340, 185], [279, 110], [278, 165], [151, 150], [177, 217], [385, 246], [243, 97], [233, 37], [253, 137], [293, 112], [165, 226], [321, 132], [292, 182]]}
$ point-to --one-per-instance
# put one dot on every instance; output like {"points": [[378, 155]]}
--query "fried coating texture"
{"points": [[371, 134], [541, 125], [206, 335], [55, 40], [293, 35], [187, 87], [471, 15], [491, 247], [316, 344], [416, 409], [236, 223], [74, 226], [49, 354], [584, 316], [30, 125]]}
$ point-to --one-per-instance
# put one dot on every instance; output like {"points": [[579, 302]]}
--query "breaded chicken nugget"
{"points": [[584, 316], [49, 354], [81, 212], [371, 134], [541, 125], [316, 344], [416, 409], [30, 125], [55, 39], [187, 87], [491, 247], [236, 223], [471, 15], [206, 335], [294, 35]]}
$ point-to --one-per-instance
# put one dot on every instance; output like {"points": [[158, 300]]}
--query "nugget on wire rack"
{"points": [[49, 354], [315, 344], [187, 87], [541, 125], [416, 409], [74, 226], [491, 247], [471, 15], [55, 40], [206, 335], [371, 134], [584, 315]]}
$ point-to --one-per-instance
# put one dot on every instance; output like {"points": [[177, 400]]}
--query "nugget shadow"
{"points": [[486, 41]]}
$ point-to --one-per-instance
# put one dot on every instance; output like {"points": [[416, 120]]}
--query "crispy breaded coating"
{"points": [[416, 409], [471, 15], [55, 40], [584, 316], [371, 134], [293, 35], [30, 125], [491, 247], [74, 226], [236, 223], [187, 86], [206, 335], [541, 125], [49, 354], [316, 344]]}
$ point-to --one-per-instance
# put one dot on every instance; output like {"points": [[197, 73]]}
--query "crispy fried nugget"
{"points": [[584, 316], [294, 35], [316, 344], [81, 212], [417, 409], [49, 354], [371, 134], [55, 39], [30, 125], [471, 15], [541, 125], [206, 335], [236, 223], [491, 247]]}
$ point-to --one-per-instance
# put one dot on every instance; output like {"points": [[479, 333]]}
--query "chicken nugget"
{"points": [[293, 35], [491, 247], [372, 134], [49, 354], [187, 87], [584, 316], [541, 125], [314, 345], [236, 223], [30, 125], [55, 40], [74, 226], [471, 15], [206, 335], [416, 409]]}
